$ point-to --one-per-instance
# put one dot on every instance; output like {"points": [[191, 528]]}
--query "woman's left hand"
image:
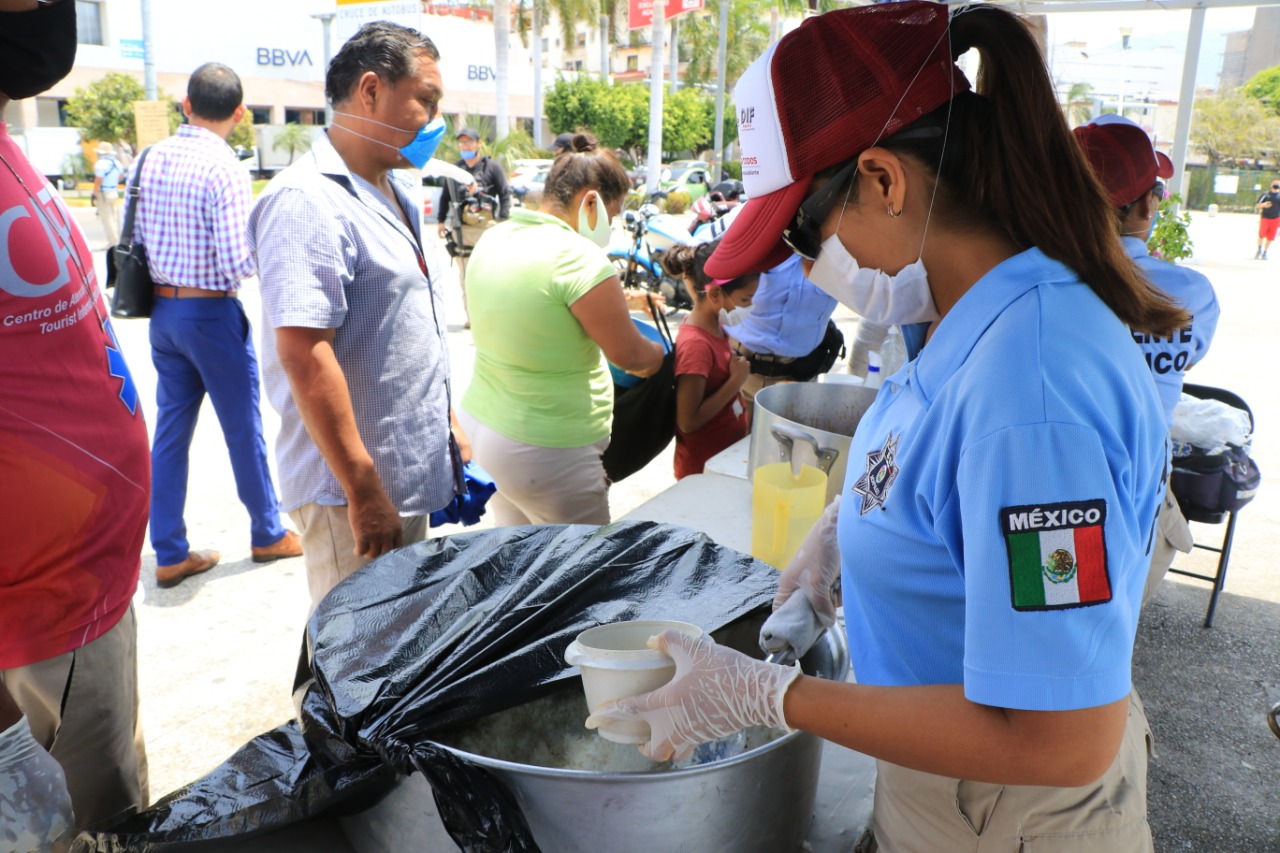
{"points": [[638, 300], [716, 691], [460, 436]]}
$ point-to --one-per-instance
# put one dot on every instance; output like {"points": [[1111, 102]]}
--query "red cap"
{"points": [[1123, 158], [823, 94]]}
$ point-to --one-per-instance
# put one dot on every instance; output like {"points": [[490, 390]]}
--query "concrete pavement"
{"points": [[218, 652]]}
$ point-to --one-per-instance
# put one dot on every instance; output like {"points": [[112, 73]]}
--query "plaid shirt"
{"points": [[193, 212]]}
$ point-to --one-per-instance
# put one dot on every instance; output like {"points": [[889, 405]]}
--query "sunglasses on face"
{"points": [[804, 234]]}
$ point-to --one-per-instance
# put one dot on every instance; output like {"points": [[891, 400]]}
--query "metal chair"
{"points": [[1219, 578]]}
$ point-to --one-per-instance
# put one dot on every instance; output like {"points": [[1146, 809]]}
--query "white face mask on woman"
{"points": [[875, 295], [600, 233]]}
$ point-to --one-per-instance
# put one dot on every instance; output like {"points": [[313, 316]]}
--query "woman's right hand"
{"points": [[798, 620], [716, 691]]}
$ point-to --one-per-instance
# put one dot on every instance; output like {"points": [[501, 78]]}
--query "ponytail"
{"points": [[1009, 150], [689, 262], [586, 165]]}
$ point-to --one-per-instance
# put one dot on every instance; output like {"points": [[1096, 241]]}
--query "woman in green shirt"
{"points": [[545, 301]]}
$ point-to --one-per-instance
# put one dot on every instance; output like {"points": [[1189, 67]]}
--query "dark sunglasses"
{"points": [[804, 234]]}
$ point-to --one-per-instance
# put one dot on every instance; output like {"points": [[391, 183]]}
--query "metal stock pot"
{"points": [[810, 422], [760, 801]]}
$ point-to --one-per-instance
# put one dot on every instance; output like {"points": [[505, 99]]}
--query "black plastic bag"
{"points": [[440, 633], [270, 782]]}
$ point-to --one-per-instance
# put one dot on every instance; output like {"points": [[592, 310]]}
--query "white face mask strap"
{"points": [[937, 179], [361, 135], [374, 120]]}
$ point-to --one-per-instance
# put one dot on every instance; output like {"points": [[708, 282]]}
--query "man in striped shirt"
{"points": [[192, 217]]}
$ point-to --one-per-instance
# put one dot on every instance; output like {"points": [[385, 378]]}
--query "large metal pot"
{"points": [[758, 802], [810, 422]]}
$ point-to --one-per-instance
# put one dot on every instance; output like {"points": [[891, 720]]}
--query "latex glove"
{"points": [[716, 691], [35, 808], [798, 620], [868, 339]]}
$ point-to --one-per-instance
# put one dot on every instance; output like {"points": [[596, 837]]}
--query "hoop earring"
{"points": [[889, 206]]}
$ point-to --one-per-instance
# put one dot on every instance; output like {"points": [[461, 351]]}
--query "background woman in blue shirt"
{"points": [[996, 522]]}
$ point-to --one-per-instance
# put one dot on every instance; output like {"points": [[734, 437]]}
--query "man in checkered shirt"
{"points": [[192, 211]]}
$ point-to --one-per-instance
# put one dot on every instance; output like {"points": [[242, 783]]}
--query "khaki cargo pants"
{"points": [[922, 813]]}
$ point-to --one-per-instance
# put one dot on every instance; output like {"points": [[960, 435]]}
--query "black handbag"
{"points": [[1221, 482], [644, 415], [127, 269]]}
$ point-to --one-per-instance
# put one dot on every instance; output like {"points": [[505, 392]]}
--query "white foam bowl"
{"points": [[616, 662]]}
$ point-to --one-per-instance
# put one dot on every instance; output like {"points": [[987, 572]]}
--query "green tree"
{"points": [[242, 133], [294, 138], [617, 115], [1265, 87], [1079, 103], [699, 40], [104, 108], [1171, 237], [688, 121], [1233, 126]]}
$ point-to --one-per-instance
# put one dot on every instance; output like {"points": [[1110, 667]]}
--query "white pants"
{"points": [[109, 216], [541, 485], [328, 545]]}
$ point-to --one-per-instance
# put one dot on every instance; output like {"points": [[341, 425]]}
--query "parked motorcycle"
{"points": [[640, 264]]}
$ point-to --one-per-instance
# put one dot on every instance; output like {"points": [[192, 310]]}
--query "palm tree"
{"points": [[1079, 103], [778, 9], [748, 38], [294, 138]]}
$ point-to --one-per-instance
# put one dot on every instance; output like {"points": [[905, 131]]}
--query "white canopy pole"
{"points": [[1186, 100]]}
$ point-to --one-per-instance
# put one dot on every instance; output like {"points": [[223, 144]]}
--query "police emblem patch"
{"points": [[882, 470], [1057, 555]]}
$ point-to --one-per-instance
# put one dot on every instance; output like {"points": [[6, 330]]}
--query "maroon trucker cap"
{"points": [[821, 95], [1123, 158]]}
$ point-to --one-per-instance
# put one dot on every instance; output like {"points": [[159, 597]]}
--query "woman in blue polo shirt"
{"points": [[1002, 491]]}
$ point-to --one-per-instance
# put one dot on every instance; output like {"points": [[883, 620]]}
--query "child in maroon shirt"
{"points": [[711, 413]]}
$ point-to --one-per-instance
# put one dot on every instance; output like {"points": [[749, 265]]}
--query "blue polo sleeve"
{"points": [[1054, 564]]}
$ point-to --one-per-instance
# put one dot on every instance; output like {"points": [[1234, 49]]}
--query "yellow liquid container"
{"points": [[784, 507]]}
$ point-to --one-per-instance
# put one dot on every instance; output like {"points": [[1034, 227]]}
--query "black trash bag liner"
{"points": [[270, 782], [448, 630], [433, 635]]}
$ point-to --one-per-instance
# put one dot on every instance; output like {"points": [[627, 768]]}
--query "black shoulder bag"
{"points": [[644, 415], [127, 269]]}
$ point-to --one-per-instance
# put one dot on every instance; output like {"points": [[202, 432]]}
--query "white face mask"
{"points": [[876, 296], [734, 317], [600, 234]]}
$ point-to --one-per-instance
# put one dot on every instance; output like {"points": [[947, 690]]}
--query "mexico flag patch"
{"points": [[1057, 555]]}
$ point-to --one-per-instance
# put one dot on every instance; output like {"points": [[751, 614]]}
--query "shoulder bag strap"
{"points": [[131, 206], [660, 321]]}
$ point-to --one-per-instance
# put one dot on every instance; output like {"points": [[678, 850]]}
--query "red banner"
{"points": [[640, 12]]}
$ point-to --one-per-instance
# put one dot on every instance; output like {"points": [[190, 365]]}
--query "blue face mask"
{"points": [[469, 155], [419, 150]]}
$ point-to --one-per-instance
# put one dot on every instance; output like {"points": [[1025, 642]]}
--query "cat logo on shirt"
{"points": [[882, 470]]}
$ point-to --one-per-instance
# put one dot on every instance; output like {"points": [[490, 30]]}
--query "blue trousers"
{"points": [[201, 346]]}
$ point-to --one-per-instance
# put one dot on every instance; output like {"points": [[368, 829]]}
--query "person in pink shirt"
{"points": [[74, 489]]}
